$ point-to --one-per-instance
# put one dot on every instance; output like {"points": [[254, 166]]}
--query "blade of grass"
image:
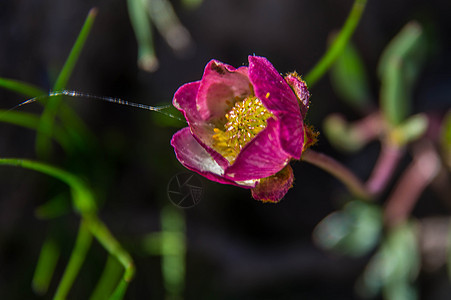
{"points": [[57, 206], [338, 44], [78, 256], [173, 251], [45, 267], [43, 146], [31, 121], [21, 87], [108, 280], [107, 240], [83, 198], [76, 129]]}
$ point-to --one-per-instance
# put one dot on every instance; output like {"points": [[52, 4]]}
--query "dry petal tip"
{"points": [[272, 189]]}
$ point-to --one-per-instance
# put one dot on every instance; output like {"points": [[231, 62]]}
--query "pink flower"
{"points": [[245, 126]]}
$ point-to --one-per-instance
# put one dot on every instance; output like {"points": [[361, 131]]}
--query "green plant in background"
{"points": [[76, 139], [362, 225], [73, 136], [161, 13], [78, 142], [358, 227]]}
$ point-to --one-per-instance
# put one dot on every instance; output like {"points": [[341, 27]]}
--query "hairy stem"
{"points": [[330, 165]]}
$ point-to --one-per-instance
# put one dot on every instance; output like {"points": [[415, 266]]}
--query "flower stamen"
{"points": [[245, 120]]}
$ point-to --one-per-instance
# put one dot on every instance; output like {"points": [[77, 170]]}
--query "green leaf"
{"points": [[21, 87], [354, 230], [340, 135], [349, 79], [410, 130], [399, 67], [53, 208], [395, 265]]}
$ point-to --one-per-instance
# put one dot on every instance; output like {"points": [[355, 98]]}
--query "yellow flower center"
{"points": [[244, 121]]}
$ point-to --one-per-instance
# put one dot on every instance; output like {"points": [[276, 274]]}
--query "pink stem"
{"points": [[338, 170], [424, 167], [384, 168]]}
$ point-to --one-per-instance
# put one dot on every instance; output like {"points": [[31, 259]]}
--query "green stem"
{"points": [[338, 45], [147, 60], [108, 280], [76, 260], [82, 197], [91, 225], [330, 165], [107, 240]]}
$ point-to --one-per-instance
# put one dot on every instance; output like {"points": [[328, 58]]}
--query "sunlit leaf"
{"points": [[410, 130]]}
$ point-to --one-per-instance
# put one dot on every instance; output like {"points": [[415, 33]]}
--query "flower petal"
{"points": [[300, 89], [274, 188], [292, 134], [185, 101], [270, 87], [262, 157], [194, 157], [220, 85], [280, 99]]}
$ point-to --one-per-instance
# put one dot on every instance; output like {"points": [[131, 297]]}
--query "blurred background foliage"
{"points": [[228, 246]]}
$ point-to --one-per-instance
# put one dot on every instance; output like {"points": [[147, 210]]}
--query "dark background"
{"points": [[238, 248]]}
